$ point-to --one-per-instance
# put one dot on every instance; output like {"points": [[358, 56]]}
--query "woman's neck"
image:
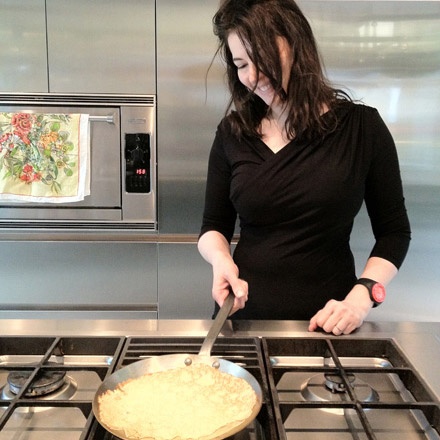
{"points": [[273, 131]]}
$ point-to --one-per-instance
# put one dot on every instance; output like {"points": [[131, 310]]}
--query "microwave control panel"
{"points": [[137, 163]]}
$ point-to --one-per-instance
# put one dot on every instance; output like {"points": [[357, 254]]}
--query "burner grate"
{"points": [[337, 388], [244, 351], [34, 365]]}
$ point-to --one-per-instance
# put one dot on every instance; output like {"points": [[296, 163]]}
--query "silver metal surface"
{"points": [[191, 101], [23, 52], [101, 46], [110, 119], [61, 46], [106, 280]]}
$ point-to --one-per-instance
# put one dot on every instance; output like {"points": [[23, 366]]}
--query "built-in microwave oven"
{"points": [[122, 165]]}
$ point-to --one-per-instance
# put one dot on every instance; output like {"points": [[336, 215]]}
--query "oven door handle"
{"points": [[110, 119]]}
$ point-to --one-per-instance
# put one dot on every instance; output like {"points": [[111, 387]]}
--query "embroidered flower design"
{"points": [[33, 148]]}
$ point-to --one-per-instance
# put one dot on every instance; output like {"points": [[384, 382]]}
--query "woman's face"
{"points": [[247, 72]]}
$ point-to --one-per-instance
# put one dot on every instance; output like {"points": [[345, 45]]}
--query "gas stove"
{"points": [[317, 387]]}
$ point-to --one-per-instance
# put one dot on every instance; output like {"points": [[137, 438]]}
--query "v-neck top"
{"points": [[296, 210]]}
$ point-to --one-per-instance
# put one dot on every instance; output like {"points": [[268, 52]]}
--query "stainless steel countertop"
{"points": [[420, 341]]}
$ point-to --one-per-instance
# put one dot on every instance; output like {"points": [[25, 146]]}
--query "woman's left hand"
{"points": [[343, 317], [340, 317]]}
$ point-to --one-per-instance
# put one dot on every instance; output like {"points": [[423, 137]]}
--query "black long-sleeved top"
{"points": [[297, 207]]}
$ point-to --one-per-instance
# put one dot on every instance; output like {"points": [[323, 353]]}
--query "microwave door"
{"points": [[104, 201]]}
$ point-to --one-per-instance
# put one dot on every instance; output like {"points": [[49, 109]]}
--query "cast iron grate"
{"points": [[400, 404], [39, 356]]}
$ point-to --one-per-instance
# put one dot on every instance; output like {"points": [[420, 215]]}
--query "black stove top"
{"points": [[313, 388]]}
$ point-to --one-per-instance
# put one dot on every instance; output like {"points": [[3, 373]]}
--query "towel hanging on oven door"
{"points": [[44, 158]]}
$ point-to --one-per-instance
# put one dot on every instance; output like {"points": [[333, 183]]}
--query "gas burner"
{"points": [[332, 388], [49, 385], [335, 384], [45, 383]]}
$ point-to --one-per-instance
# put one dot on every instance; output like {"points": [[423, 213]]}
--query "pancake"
{"points": [[188, 403]]}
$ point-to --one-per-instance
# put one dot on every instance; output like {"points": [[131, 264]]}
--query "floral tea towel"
{"points": [[44, 158]]}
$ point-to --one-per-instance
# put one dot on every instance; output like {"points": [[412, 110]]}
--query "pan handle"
{"points": [[219, 320]]}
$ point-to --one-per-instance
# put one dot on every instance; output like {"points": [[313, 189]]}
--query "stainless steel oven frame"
{"points": [[112, 205]]}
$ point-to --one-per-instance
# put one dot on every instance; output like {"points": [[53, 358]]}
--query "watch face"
{"points": [[378, 292]]}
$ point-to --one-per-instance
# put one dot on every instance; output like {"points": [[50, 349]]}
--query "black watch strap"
{"points": [[375, 289]]}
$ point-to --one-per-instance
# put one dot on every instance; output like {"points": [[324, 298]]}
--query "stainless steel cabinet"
{"points": [[184, 282], [192, 99], [64, 279], [90, 47], [101, 46], [23, 65]]}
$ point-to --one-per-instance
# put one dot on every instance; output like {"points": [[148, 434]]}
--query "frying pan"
{"points": [[167, 362]]}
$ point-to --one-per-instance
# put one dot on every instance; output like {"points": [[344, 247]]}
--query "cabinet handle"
{"points": [[110, 119]]}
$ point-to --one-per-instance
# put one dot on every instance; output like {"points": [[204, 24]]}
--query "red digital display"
{"points": [[141, 171]]}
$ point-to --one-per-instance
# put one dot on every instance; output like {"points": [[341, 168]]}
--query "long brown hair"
{"points": [[258, 23]]}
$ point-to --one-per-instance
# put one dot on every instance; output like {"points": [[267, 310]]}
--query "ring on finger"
{"points": [[338, 329]]}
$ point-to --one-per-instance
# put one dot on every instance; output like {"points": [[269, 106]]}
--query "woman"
{"points": [[294, 160]]}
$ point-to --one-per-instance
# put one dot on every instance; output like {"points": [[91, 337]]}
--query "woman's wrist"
{"points": [[360, 297]]}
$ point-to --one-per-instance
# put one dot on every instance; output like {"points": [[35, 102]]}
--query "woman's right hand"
{"points": [[225, 279], [215, 249]]}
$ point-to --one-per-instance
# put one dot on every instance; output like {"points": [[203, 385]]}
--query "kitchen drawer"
{"points": [[184, 282], [112, 277]]}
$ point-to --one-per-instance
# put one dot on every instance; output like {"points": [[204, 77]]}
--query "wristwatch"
{"points": [[376, 290]]}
